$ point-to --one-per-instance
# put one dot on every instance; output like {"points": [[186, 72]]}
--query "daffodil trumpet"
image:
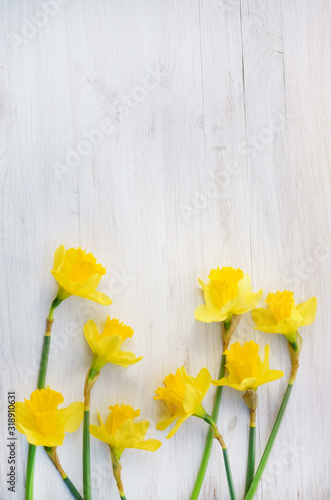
{"points": [[282, 316], [53, 456], [120, 433]]}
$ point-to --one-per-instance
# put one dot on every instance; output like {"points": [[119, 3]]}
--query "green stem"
{"points": [[44, 361], [265, 456], [251, 458], [56, 302], [218, 436], [91, 378], [46, 346], [30, 472], [210, 437], [72, 489], [53, 456], [228, 474], [86, 456]]}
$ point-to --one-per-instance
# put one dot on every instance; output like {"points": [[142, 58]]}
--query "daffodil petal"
{"points": [[206, 316], [270, 376], [110, 346], [99, 297], [139, 430], [125, 359], [201, 283], [208, 297], [161, 426], [101, 434], [99, 417], [148, 445], [129, 435], [38, 439], [59, 257], [248, 303], [263, 317], [179, 422], [203, 380], [265, 364], [80, 289], [223, 381], [71, 418], [244, 285], [24, 416], [308, 311], [91, 334], [192, 399], [285, 326]]}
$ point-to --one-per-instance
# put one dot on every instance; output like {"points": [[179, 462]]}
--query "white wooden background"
{"points": [[216, 153]]}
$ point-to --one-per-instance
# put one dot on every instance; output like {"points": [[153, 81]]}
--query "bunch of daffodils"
{"points": [[228, 296]]}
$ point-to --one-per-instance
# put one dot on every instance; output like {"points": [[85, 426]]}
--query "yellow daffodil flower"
{"points": [[78, 273], [120, 432], [283, 315], [106, 346], [183, 395], [246, 370], [42, 422], [228, 292]]}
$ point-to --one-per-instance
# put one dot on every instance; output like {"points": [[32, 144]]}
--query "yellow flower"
{"points": [[246, 370], [183, 395], [120, 432], [78, 273], [42, 422], [106, 346], [283, 315], [228, 292]]}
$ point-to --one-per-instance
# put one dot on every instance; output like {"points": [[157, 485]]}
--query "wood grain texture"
{"points": [[167, 138]]}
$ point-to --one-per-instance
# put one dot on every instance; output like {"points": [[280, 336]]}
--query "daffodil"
{"points": [[283, 315], [119, 432], [246, 370], [78, 273], [228, 292], [183, 395], [106, 346], [42, 422]]}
